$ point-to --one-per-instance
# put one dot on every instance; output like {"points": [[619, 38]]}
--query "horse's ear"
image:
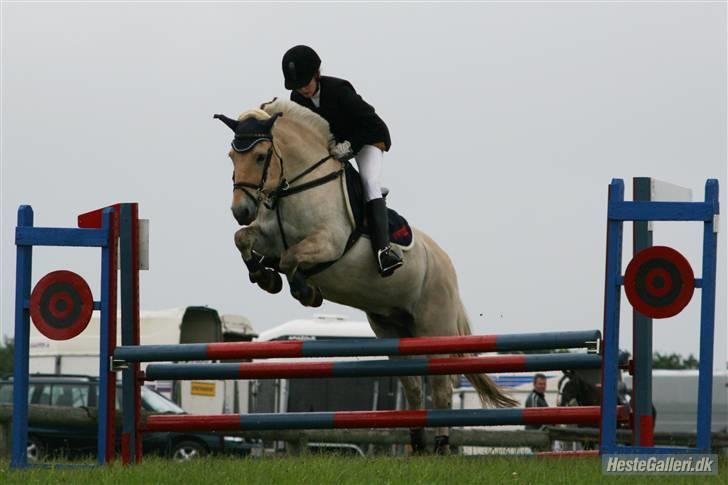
{"points": [[232, 124], [271, 121], [262, 106]]}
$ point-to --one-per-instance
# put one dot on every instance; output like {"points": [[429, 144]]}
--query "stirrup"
{"points": [[388, 261]]}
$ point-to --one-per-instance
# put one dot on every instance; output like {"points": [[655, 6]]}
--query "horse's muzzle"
{"points": [[243, 215]]}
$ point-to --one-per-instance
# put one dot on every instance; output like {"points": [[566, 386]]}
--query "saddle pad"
{"points": [[400, 232]]}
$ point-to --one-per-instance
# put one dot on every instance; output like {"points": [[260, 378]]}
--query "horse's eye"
{"points": [[260, 158]]}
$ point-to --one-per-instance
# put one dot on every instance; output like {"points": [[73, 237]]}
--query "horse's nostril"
{"points": [[241, 214]]}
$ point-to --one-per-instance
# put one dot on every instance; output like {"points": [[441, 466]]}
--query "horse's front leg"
{"points": [[268, 279], [317, 248]]}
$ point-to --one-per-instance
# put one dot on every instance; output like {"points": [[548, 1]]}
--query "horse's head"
{"points": [[261, 142], [256, 165]]}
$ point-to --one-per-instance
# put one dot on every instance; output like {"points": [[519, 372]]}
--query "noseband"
{"points": [[259, 194], [284, 188]]}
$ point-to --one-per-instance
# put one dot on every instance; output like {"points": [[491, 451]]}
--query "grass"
{"points": [[347, 470]]}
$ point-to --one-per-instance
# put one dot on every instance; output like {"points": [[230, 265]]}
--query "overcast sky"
{"points": [[508, 121]]}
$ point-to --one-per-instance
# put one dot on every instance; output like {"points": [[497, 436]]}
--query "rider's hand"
{"points": [[342, 151]]}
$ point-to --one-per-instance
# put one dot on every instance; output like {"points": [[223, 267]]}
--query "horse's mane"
{"points": [[295, 111]]}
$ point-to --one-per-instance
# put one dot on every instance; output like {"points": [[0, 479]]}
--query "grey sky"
{"points": [[508, 122]]}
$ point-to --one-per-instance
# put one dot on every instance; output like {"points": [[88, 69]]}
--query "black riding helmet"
{"points": [[300, 64]]}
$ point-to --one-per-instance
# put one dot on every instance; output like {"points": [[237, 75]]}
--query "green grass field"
{"points": [[347, 470]]}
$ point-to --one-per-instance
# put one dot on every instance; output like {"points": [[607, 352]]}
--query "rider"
{"points": [[359, 132]]}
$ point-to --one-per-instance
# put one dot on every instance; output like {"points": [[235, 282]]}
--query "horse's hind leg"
{"points": [[412, 385], [436, 315], [413, 392], [442, 399]]}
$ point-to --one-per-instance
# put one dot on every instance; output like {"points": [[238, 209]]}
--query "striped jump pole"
{"points": [[358, 347], [409, 367], [380, 419]]}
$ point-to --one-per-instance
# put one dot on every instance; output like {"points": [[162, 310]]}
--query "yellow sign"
{"points": [[202, 388]]}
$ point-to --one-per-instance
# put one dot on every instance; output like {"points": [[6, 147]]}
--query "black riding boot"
{"points": [[387, 259]]}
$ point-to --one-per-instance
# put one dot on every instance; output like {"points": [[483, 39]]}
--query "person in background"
{"points": [[536, 398]]}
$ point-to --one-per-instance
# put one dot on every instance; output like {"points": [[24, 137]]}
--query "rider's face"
{"points": [[309, 89]]}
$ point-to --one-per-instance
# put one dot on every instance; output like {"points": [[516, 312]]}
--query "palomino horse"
{"points": [[289, 197]]}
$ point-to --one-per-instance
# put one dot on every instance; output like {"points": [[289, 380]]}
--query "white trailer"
{"points": [[194, 324], [675, 397], [336, 326], [322, 394]]}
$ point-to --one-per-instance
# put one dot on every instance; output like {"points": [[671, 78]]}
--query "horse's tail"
{"points": [[488, 391]]}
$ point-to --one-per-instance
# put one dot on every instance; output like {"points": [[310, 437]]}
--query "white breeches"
{"points": [[369, 161]]}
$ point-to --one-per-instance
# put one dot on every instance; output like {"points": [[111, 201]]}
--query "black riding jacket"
{"points": [[536, 400], [349, 116]]}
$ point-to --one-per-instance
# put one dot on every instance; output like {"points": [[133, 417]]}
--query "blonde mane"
{"points": [[297, 112], [256, 113]]}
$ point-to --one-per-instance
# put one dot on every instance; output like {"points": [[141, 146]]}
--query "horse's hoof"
{"points": [[417, 441], [309, 296], [318, 298], [277, 283], [419, 452], [442, 445], [303, 295], [270, 281]]}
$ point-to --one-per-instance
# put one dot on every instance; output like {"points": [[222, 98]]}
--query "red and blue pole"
{"points": [[380, 419], [372, 368], [358, 347]]}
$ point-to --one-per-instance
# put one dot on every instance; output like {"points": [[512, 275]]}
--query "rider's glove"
{"points": [[341, 151]]}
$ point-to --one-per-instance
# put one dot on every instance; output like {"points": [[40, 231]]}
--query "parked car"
{"points": [[82, 391]]}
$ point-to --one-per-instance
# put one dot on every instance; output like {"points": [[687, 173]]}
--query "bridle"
{"points": [[285, 187]]}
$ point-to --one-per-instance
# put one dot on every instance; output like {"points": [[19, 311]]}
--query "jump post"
{"points": [[668, 275], [115, 230], [603, 353]]}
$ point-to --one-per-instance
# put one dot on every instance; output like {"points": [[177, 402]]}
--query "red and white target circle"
{"points": [[61, 305], [659, 282]]}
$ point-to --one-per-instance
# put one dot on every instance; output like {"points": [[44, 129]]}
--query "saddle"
{"points": [[400, 232]]}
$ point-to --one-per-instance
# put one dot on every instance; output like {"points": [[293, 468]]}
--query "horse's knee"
{"points": [[241, 239]]}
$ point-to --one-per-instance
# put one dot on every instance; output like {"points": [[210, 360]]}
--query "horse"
{"points": [[290, 199]]}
